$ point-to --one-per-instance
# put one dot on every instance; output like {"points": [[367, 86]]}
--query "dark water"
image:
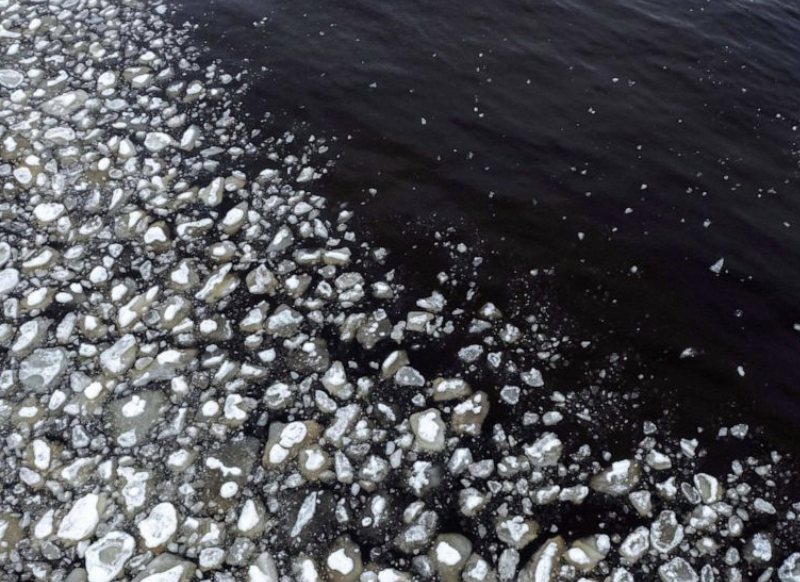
{"points": [[665, 132]]}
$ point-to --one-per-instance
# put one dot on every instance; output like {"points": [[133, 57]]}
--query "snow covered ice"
{"points": [[207, 375]]}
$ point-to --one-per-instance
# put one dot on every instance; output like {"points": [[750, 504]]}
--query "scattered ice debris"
{"points": [[206, 375]]}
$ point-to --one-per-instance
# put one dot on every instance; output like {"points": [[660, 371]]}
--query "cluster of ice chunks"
{"points": [[206, 375]]}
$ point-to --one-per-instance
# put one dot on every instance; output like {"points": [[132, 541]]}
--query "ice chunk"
{"points": [[219, 284], [306, 175], [666, 533], [709, 488], [157, 529], [449, 555], [478, 569], [305, 514], [635, 545], [789, 571], [48, 212], [759, 550], [469, 415], [344, 561], [393, 363], [677, 570], [9, 279], [263, 569], [586, 553], [429, 430], [516, 531], [533, 378], [545, 564], [82, 519], [545, 451], [42, 370], [11, 79], [213, 194], [618, 479], [335, 380], [252, 519], [450, 389], [106, 558], [408, 376], [156, 141], [286, 442], [167, 568], [119, 358]]}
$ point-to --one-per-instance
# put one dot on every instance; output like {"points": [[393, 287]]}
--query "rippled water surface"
{"points": [[626, 145]]}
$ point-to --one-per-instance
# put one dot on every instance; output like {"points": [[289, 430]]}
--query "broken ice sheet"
{"points": [[208, 373]]}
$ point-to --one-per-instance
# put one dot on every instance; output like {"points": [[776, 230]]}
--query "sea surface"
{"points": [[599, 156]]}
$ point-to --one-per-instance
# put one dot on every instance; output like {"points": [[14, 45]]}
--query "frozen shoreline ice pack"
{"points": [[207, 375]]}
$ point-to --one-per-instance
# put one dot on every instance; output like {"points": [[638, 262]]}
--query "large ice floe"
{"points": [[205, 375]]}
